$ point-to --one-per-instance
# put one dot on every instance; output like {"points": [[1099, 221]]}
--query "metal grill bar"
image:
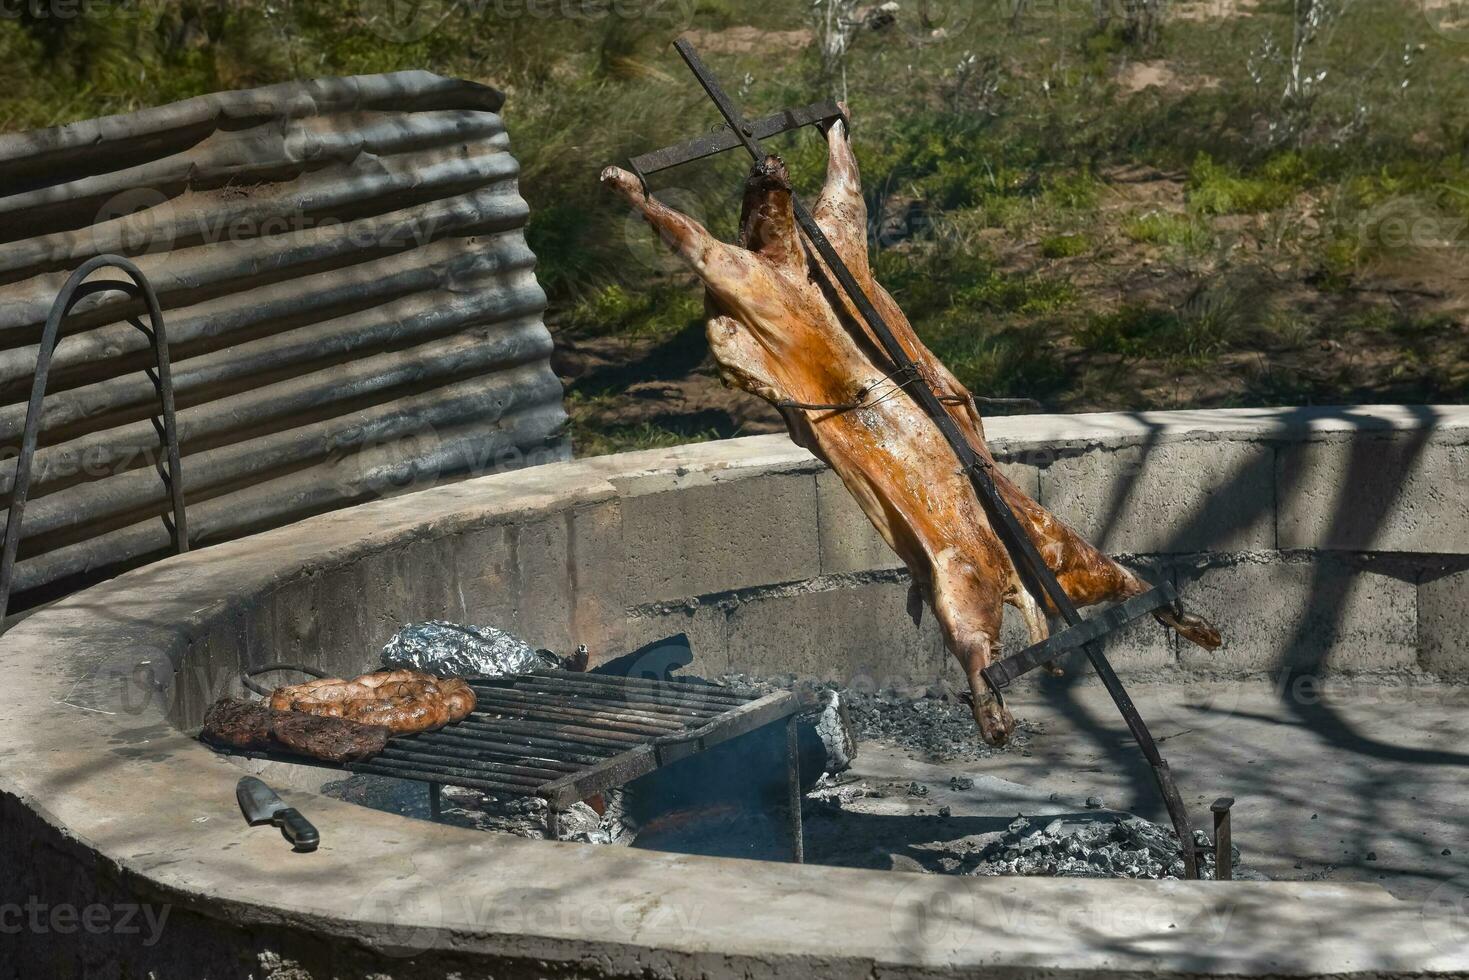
{"points": [[636, 702], [566, 752], [468, 761], [664, 692], [494, 725], [574, 718], [437, 766], [565, 737], [486, 748], [610, 712]]}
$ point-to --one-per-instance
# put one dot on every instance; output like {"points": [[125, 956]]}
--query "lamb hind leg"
{"points": [[1036, 625], [969, 609], [1090, 577], [1195, 629]]}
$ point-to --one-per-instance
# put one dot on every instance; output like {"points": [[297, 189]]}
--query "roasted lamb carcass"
{"points": [[779, 331]]}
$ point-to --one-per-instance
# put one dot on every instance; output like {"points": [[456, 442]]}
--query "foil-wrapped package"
{"points": [[455, 650]]}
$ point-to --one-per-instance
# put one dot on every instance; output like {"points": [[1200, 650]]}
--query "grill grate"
{"points": [[565, 737]]}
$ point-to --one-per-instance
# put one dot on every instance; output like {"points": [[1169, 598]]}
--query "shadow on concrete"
{"points": [[1364, 514]]}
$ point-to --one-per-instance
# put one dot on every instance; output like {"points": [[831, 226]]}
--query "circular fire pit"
{"points": [[1322, 541]]}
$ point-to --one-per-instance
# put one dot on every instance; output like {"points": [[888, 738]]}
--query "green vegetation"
{"points": [[1173, 230], [592, 438], [1214, 189], [1065, 246], [1196, 332], [660, 311], [1099, 216]]}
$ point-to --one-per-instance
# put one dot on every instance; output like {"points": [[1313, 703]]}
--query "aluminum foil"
{"points": [[455, 650]]}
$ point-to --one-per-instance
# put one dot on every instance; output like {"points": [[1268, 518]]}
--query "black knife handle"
{"points": [[297, 829]]}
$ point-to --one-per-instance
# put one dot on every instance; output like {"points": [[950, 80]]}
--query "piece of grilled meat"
{"points": [[252, 725], [404, 701]]}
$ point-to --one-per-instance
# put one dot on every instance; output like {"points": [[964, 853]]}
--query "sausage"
{"points": [[403, 701]]}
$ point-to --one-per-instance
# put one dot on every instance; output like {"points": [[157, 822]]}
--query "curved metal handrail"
{"points": [[74, 290]]}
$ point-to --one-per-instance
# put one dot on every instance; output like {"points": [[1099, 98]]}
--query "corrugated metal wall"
{"points": [[351, 307]]}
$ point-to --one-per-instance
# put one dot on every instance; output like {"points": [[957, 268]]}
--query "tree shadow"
{"points": [[1356, 518]]}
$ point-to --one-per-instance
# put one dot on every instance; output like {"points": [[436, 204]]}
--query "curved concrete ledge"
{"points": [[1326, 538]]}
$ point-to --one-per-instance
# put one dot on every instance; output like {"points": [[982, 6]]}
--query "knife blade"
{"points": [[260, 805]]}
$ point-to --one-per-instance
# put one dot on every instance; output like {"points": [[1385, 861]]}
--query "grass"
{"points": [[1042, 265], [592, 439], [1065, 246], [658, 312], [1216, 189], [1213, 319], [1178, 231]]}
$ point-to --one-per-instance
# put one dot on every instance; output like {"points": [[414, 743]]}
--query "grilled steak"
{"points": [[250, 725]]}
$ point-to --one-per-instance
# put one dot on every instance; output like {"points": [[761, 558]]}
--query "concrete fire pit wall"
{"points": [[1316, 538], [1330, 536]]}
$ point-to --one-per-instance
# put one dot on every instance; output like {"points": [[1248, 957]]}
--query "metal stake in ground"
{"points": [[1033, 570]]}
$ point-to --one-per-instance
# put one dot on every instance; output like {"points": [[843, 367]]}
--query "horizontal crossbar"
{"points": [[1001, 673], [726, 139]]}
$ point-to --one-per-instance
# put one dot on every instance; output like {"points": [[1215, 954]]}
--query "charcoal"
{"points": [[1124, 847]]}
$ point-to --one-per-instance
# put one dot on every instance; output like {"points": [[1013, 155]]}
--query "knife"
{"points": [[260, 804]]}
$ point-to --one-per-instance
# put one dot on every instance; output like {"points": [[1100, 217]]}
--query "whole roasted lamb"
{"points": [[777, 330]]}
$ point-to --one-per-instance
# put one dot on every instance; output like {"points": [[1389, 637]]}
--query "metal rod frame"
{"points": [[1223, 845], [793, 791], [76, 289], [1038, 579]]}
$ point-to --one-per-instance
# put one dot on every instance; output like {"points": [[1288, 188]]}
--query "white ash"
{"points": [[931, 723], [834, 728], [834, 791], [1122, 847], [526, 817], [937, 728], [463, 807]]}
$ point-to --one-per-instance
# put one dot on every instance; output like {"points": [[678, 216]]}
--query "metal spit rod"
{"points": [[1037, 576]]}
